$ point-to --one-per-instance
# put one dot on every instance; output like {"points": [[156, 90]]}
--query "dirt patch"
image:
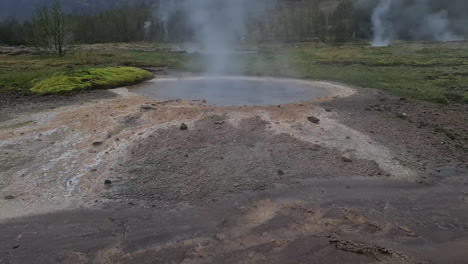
{"points": [[213, 159], [12, 105], [428, 137], [320, 221]]}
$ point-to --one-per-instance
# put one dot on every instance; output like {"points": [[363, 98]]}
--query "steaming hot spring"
{"points": [[236, 90]]}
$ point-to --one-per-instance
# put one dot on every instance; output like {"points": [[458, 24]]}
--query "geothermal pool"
{"points": [[233, 90]]}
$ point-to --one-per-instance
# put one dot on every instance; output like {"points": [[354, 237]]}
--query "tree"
{"points": [[342, 21], [51, 31]]}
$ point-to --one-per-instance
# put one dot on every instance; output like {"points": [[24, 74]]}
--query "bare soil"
{"points": [[362, 184]]}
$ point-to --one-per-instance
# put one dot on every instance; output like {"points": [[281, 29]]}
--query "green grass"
{"points": [[92, 78], [18, 74], [436, 72]]}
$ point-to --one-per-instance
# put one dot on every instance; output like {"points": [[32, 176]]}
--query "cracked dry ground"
{"points": [[240, 185]]}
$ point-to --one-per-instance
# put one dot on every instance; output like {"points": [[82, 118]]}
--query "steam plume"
{"points": [[380, 24], [436, 20], [216, 26]]}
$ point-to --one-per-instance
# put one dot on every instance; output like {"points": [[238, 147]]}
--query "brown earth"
{"points": [[364, 184]]}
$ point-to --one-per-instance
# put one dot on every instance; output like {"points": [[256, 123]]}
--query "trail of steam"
{"points": [[216, 27], [417, 20], [380, 24]]}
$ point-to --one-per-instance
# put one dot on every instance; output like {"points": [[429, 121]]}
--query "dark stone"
{"points": [[9, 197], [450, 135], [313, 119], [183, 126], [16, 246], [219, 122], [280, 172], [107, 182], [97, 144], [147, 108]]}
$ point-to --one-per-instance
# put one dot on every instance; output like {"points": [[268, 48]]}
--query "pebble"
{"points": [[313, 119], [97, 143], [346, 158], [402, 115], [183, 126]]}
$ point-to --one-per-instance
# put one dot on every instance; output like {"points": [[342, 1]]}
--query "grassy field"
{"points": [[18, 74], [436, 72]]}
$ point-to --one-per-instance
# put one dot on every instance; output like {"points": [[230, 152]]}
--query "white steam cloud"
{"points": [[417, 20], [216, 26]]}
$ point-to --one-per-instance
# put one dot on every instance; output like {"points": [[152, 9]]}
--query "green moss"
{"points": [[92, 78]]}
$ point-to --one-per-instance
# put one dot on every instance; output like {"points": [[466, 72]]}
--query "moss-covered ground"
{"points": [[92, 78]]}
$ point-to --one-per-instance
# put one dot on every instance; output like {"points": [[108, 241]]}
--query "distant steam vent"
{"points": [[431, 20]]}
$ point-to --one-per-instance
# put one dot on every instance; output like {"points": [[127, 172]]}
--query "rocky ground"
{"points": [[112, 177]]}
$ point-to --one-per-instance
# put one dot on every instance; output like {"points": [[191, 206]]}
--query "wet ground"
{"points": [[357, 177]]}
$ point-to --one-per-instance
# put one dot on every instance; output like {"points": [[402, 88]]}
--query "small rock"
{"points": [[313, 119], [9, 197], [97, 144], [183, 126], [346, 158], [147, 108], [328, 110], [16, 246], [402, 115], [280, 172], [107, 182], [260, 187], [236, 185], [219, 122]]}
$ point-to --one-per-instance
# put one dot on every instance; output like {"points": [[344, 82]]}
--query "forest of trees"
{"points": [[288, 21]]}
